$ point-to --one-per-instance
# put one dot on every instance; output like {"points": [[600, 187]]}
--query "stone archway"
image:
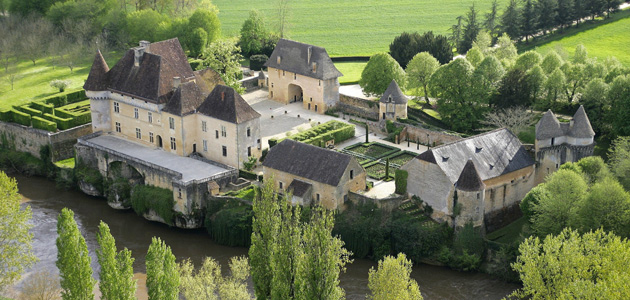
{"points": [[295, 93], [159, 141], [121, 178]]}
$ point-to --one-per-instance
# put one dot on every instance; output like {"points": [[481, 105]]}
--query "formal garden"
{"points": [[379, 160], [321, 134]]}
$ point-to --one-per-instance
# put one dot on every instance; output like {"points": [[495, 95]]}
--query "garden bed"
{"points": [[373, 150], [402, 157]]}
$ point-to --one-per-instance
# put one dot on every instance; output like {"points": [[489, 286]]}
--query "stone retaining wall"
{"points": [[426, 136], [357, 106], [250, 84], [388, 204]]}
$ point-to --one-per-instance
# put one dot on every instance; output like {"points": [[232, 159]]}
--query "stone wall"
{"points": [[426, 136], [357, 106], [31, 140], [388, 204], [250, 84]]}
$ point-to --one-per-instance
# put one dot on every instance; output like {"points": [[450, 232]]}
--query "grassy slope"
{"points": [[33, 80], [347, 27], [351, 71], [601, 40]]}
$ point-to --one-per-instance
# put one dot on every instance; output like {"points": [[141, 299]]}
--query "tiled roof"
{"points": [[293, 56], [394, 94], [299, 188], [185, 100], [581, 127], [469, 178], [548, 127], [224, 103], [97, 79]]}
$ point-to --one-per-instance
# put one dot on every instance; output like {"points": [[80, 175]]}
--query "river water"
{"points": [[135, 233]]}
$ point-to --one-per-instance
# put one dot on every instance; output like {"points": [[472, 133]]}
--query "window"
{"points": [[317, 197], [311, 99], [217, 132], [294, 76], [173, 145], [259, 145], [351, 174], [118, 127], [320, 83], [272, 85], [224, 151], [283, 73], [138, 133], [151, 137], [171, 123], [150, 117], [223, 131], [135, 112], [179, 193], [280, 184], [316, 107], [249, 151], [205, 146], [204, 126], [249, 132], [116, 107], [552, 141]]}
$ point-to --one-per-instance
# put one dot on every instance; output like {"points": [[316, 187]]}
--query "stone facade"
{"points": [[357, 106], [426, 136]]}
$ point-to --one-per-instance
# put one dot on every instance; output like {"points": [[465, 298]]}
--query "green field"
{"points": [[601, 41], [33, 81], [351, 71], [350, 27]]}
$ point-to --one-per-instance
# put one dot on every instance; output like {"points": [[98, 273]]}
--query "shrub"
{"points": [[21, 118], [195, 63], [61, 85], [264, 154], [229, 223], [273, 142], [22, 162], [364, 228], [27, 110], [90, 176], [62, 123], [43, 107], [247, 174], [159, 200], [401, 181], [66, 98], [418, 240], [6, 116], [44, 124], [256, 62], [121, 187]]}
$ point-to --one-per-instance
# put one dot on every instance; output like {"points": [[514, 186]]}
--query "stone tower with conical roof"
{"points": [[558, 143], [393, 103], [468, 198]]}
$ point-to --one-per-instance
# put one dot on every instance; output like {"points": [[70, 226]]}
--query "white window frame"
{"points": [[205, 146], [116, 107], [150, 117], [171, 122], [136, 113]]}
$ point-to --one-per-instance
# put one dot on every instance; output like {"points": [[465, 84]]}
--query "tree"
{"points": [[611, 6], [60, 85], [202, 284], [575, 79], [162, 274], [41, 286], [547, 11], [536, 79], [511, 20], [144, 25], [253, 34], [516, 119], [565, 16], [116, 275], [595, 101], [234, 287], [607, 206], [483, 42], [197, 41], [529, 20], [474, 56], [265, 225], [514, 90], [437, 45], [286, 252], [527, 60], [208, 21], [379, 72], [581, 55], [457, 32], [619, 98], [471, 29], [419, 71], [73, 259], [551, 62], [224, 57], [505, 49], [554, 87], [15, 240], [486, 79], [283, 13], [574, 266], [28, 7], [491, 23], [323, 258], [619, 160], [404, 47], [392, 280]]}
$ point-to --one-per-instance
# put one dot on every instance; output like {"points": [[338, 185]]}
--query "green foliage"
{"points": [[27, 110], [247, 174], [619, 98], [250, 163], [144, 25], [207, 282], [16, 250], [162, 272], [532, 199], [419, 71], [619, 160], [254, 35], [159, 200], [392, 280], [320, 134], [231, 224], [90, 176], [606, 206], [257, 61], [224, 57], [379, 72], [43, 107], [416, 239], [401, 181], [570, 265], [208, 21], [44, 124], [73, 259], [527, 60], [264, 230], [61, 85], [21, 118], [116, 274], [365, 230], [197, 41], [404, 47]]}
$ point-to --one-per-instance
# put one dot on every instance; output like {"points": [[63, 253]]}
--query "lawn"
{"points": [[32, 82], [603, 39], [347, 27], [351, 71]]}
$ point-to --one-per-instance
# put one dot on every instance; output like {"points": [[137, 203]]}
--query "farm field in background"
{"points": [[351, 71], [347, 27]]}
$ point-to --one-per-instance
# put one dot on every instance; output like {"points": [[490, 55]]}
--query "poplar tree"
{"points": [[73, 259], [162, 273], [392, 280], [286, 251], [116, 275]]}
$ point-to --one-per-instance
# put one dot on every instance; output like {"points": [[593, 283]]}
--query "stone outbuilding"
{"points": [[480, 179], [393, 103], [262, 79], [312, 174], [305, 73], [561, 142]]}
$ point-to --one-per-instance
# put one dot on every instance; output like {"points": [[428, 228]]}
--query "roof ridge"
{"points": [[472, 137]]}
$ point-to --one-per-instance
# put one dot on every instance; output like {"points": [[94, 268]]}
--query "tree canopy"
{"points": [[379, 72], [392, 280], [73, 259]]}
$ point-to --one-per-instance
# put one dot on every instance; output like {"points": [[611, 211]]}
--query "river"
{"points": [[135, 233]]}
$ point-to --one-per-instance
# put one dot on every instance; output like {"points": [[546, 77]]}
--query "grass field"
{"points": [[32, 82], [601, 40], [351, 71], [350, 27]]}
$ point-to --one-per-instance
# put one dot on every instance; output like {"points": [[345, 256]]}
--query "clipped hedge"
{"points": [[65, 98], [257, 61], [77, 118], [159, 200], [6, 116], [401, 181], [62, 123], [320, 134], [27, 110], [44, 124], [247, 175], [21, 118], [43, 107]]}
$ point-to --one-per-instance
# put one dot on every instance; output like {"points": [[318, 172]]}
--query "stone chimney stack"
{"points": [[176, 82], [139, 52], [222, 95], [310, 52]]}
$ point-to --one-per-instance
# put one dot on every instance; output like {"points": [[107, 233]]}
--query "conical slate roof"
{"points": [[548, 127], [427, 156], [469, 179], [261, 75], [97, 79], [581, 127], [394, 94]]}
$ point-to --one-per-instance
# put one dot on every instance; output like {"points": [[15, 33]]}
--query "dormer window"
{"points": [[314, 67], [279, 59], [444, 158], [478, 149], [491, 166], [389, 98]]}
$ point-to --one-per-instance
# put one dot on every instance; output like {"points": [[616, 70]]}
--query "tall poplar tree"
{"points": [[116, 275], [73, 259], [162, 272], [286, 251]]}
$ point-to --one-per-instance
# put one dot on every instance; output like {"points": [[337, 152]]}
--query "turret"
{"points": [[548, 131], [468, 198], [393, 103], [581, 133]]}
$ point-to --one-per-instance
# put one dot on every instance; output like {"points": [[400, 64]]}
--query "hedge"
{"points": [[401, 181], [62, 123], [65, 98], [77, 118], [256, 62], [44, 124], [159, 200], [27, 110], [318, 135], [247, 175], [21, 118], [43, 107], [6, 116]]}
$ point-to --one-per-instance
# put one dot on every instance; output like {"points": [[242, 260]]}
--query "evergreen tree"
{"points": [[437, 45], [511, 20], [162, 272], [529, 21], [611, 6], [404, 47], [547, 11], [491, 23], [457, 31], [116, 275], [471, 29], [565, 15], [73, 259], [580, 10], [596, 7]]}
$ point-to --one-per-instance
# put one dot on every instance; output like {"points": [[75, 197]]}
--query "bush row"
{"points": [[65, 98], [159, 200], [44, 124], [320, 134], [64, 119]]}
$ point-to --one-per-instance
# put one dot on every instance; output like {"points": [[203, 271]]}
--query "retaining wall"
{"points": [[425, 136], [357, 106]]}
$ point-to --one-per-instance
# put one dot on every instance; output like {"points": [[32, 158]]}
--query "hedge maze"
{"points": [[334, 130], [373, 158], [60, 112]]}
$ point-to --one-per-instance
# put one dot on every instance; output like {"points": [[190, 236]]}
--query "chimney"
{"points": [[314, 65], [176, 82], [139, 52], [279, 59], [144, 44], [222, 95], [310, 51]]}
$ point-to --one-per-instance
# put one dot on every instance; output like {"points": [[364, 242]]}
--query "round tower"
{"points": [[468, 198]]}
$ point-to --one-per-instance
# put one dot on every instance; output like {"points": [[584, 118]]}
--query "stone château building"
{"points": [[153, 97], [558, 143], [393, 103], [304, 73]]}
